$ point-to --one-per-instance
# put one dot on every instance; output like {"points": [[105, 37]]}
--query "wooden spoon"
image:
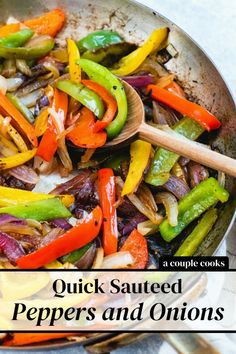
{"points": [[136, 127]]}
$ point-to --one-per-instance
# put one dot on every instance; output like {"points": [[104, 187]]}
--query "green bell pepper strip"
{"points": [[75, 255], [40, 50], [41, 210], [84, 95], [98, 39], [16, 39], [193, 241], [164, 160], [201, 198], [21, 107], [104, 77]]}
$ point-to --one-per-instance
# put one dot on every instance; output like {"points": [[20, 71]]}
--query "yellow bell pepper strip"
{"points": [[41, 210], [19, 120], [193, 241], [195, 203], [78, 236], [139, 153], [105, 78], [7, 147], [128, 64], [74, 68], [16, 137], [12, 196], [41, 122], [16, 160]]}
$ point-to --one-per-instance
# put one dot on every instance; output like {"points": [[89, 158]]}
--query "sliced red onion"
{"points": [[10, 247], [43, 102], [6, 218], [132, 224], [177, 187], [197, 173], [25, 174], [31, 99], [87, 259], [52, 235], [33, 86], [138, 81], [72, 184], [13, 83], [163, 115], [183, 161], [61, 223]]}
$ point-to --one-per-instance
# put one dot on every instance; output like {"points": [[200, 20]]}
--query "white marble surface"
{"points": [[212, 24]]}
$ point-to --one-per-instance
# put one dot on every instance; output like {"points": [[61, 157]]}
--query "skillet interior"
{"points": [[194, 70]]}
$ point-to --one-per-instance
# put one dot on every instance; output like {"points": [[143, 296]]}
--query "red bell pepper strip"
{"points": [[109, 100], [136, 244], [190, 109], [107, 196], [83, 135], [48, 145], [18, 120], [84, 232]]}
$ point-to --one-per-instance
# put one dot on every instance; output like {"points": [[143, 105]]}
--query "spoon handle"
{"points": [[188, 148]]}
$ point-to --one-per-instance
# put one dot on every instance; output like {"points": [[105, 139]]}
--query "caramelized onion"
{"points": [[171, 206], [117, 260]]}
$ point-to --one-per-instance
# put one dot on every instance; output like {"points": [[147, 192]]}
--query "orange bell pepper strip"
{"points": [[136, 244], [50, 23], [29, 338], [48, 145], [173, 87], [107, 196], [182, 105], [109, 100], [18, 120], [83, 135], [8, 29], [78, 236]]}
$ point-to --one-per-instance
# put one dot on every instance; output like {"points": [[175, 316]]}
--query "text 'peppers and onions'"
{"points": [[65, 201]]}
